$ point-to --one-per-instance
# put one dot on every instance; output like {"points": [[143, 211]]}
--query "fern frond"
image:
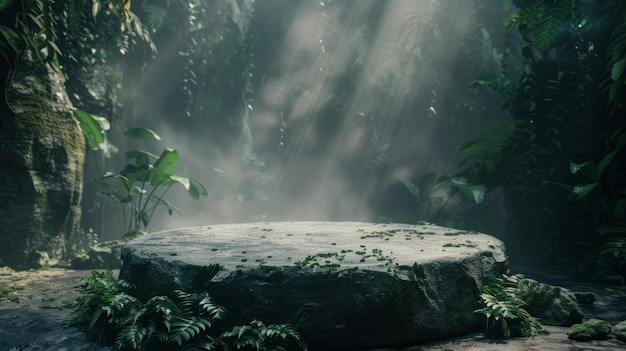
{"points": [[526, 14], [161, 305], [487, 145], [611, 230], [184, 329], [134, 336], [616, 53], [211, 309], [504, 306], [119, 302], [201, 343], [261, 337], [112, 316], [616, 247], [551, 23], [184, 301]]}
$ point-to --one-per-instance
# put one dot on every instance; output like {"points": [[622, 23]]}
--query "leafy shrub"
{"points": [[184, 321], [561, 155], [505, 311]]}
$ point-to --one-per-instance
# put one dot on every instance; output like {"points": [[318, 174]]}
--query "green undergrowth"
{"points": [[7, 293], [506, 310], [110, 315]]}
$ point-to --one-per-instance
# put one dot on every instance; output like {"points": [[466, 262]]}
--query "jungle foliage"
{"points": [[66, 34], [560, 158], [505, 309], [111, 315], [142, 185], [558, 67]]}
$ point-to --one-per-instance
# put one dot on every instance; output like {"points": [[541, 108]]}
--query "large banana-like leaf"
{"points": [[164, 167]]}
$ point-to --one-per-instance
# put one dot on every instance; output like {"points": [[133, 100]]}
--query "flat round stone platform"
{"points": [[343, 285]]}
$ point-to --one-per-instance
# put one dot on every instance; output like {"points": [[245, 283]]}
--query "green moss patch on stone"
{"points": [[619, 330], [593, 329], [467, 243], [328, 260], [463, 232], [414, 272]]}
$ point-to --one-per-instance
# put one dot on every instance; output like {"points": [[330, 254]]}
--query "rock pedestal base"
{"points": [[342, 285]]}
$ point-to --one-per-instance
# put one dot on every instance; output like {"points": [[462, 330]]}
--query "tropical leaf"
{"points": [[184, 181], [412, 188], [140, 156], [580, 191], [427, 185], [164, 167], [618, 69], [577, 167], [155, 15], [12, 38], [474, 192], [197, 190], [4, 4], [92, 130], [125, 183], [142, 133]]}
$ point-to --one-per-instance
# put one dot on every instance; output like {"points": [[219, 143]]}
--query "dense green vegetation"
{"points": [[560, 158], [111, 315], [555, 154], [553, 149]]}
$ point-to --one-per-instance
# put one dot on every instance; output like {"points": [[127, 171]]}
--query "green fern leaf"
{"points": [[133, 336], [184, 301], [184, 329], [551, 22], [208, 307], [618, 69]]}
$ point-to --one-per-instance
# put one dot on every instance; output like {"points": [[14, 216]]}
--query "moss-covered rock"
{"points": [[593, 329], [105, 254], [619, 331], [42, 157], [585, 298], [553, 305]]}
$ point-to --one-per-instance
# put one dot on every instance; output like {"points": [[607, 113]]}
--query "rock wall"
{"points": [[42, 156]]}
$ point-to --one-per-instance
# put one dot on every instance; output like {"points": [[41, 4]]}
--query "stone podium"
{"points": [[342, 285]]}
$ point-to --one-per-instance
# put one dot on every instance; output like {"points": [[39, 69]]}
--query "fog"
{"points": [[345, 99]]}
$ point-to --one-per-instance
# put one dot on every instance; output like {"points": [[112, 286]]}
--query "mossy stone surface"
{"points": [[43, 155], [619, 330], [593, 329], [342, 285], [553, 305]]}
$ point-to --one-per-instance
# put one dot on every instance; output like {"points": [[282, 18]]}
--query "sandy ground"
{"points": [[52, 288]]}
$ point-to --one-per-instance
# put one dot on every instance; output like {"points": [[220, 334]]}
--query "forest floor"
{"points": [[46, 288], [55, 289]]}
